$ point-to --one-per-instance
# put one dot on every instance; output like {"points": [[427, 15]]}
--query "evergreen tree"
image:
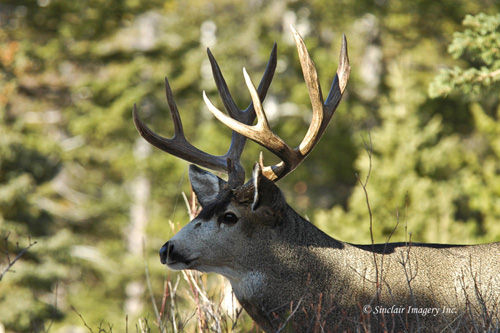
{"points": [[477, 82]]}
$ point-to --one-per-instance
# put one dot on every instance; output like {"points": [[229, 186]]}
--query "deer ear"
{"points": [[205, 184], [268, 201]]}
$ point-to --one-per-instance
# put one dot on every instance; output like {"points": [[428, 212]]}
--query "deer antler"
{"points": [[322, 113], [180, 147]]}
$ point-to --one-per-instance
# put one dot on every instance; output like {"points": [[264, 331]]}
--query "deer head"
{"points": [[238, 220]]}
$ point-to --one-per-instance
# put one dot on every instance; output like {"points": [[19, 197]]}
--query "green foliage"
{"points": [[478, 83], [478, 45], [27, 166]]}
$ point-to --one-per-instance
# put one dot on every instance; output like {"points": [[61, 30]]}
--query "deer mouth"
{"points": [[179, 264]]}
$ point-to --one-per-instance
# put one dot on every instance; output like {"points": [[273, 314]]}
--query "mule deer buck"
{"points": [[287, 273]]}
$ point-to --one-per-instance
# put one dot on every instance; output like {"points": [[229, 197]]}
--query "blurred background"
{"points": [[76, 177]]}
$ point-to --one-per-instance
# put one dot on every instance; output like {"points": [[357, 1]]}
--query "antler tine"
{"points": [[266, 80], [180, 147], [174, 112], [177, 145], [246, 116], [224, 93], [339, 83], [322, 113]]}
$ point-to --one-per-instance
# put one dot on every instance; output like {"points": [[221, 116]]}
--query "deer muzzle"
{"points": [[172, 258]]}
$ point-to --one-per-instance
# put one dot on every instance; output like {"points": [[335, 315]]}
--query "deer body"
{"points": [[279, 262], [286, 272]]}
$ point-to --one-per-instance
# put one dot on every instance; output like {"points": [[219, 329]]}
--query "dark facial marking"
{"points": [[216, 207]]}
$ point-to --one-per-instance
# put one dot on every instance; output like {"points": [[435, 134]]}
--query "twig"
{"points": [[192, 207], [18, 256], [55, 308], [173, 292], [150, 289], [195, 291], [289, 317], [369, 151], [81, 317], [236, 317], [164, 298]]}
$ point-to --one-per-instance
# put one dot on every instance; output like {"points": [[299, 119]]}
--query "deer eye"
{"points": [[229, 218]]}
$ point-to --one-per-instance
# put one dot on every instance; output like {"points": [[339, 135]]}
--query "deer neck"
{"points": [[298, 263], [296, 254]]}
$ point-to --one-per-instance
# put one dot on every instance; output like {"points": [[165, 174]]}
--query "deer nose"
{"points": [[167, 248]]}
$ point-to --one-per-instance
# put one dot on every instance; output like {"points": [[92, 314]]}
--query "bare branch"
{"points": [[10, 262]]}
